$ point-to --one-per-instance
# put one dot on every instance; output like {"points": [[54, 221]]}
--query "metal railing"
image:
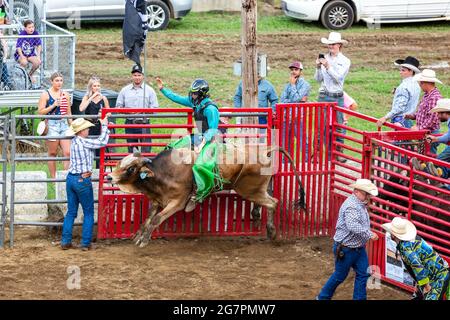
{"points": [[3, 164]]}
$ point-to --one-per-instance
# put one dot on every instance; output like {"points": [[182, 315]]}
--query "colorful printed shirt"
{"points": [[424, 263], [425, 119], [406, 98], [28, 45], [353, 225]]}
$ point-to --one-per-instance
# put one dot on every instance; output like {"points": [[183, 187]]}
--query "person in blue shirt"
{"points": [[206, 114], [296, 91], [267, 97]]}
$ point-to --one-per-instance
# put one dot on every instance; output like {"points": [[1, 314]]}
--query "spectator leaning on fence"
{"points": [[443, 110], [331, 70], [55, 101], [406, 95], [92, 104], [267, 97], [422, 262], [78, 182], [28, 49], [425, 119], [352, 234], [132, 96], [296, 91]]}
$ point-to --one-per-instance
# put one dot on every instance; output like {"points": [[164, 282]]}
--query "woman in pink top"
{"points": [[55, 101]]}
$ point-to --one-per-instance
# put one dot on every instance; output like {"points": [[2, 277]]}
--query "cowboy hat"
{"points": [[366, 186], [401, 228], [443, 105], [427, 75], [78, 125], [409, 62], [333, 37]]}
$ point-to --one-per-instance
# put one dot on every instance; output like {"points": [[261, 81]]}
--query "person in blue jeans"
{"points": [[331, 70], [78, 182], [352, 234], [296, 91], [443, 110]]}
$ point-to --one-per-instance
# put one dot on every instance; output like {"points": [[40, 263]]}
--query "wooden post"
{"points": [[249, 59]]}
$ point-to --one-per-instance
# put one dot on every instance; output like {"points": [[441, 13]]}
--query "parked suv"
{"points": [[159, 11], [341, 14]]}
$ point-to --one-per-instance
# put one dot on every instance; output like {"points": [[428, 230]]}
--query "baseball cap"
{"points": [[296, 64], [136, 68]]}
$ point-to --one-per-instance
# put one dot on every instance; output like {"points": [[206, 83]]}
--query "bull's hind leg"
{"points": [[263, 199]]}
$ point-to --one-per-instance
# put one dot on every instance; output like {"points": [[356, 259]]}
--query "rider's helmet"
{"points": [[201, 88]]}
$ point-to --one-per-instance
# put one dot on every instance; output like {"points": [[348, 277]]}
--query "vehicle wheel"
{"points": [[158, 15], [22, 12], [337, 15]]}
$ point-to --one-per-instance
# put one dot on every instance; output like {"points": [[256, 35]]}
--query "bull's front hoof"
{"points": [[271, 233]]}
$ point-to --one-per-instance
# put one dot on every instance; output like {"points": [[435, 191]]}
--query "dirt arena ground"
{"points": [[36, 268]]}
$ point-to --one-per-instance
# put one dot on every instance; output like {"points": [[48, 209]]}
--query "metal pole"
{"points": [[13, 175], [3, 184]]}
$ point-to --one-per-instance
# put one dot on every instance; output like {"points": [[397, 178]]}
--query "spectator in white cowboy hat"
{"points": [[422, 262], [296, 91], [78, 182], [352, 234], [425, 119], [406, 95], [443, 110], [331, 70]]}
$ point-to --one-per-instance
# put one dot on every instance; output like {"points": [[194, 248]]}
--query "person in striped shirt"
{"points": [[352, 234], [55, 101], [78, 183]]}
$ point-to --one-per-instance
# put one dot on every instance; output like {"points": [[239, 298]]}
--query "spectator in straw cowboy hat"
{"points": [[425, 119], [331, 70], [352, 234], [422, 262], [78, 183], [406, 96]]}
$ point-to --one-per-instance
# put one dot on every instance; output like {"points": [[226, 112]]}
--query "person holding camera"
{"points": [[331, 70], [137, 95], [352, 234]]}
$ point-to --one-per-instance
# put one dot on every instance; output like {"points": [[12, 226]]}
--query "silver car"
{"points": [[159, 11]]}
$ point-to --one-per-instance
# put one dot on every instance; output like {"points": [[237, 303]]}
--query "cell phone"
{"points": [[321, 56]]}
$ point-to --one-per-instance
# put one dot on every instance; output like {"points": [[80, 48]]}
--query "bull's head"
{"points": [[130, 172]]}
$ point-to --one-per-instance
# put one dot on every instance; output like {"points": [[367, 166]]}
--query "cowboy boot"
{"points": [[338, 158], [192, 203], [431, 169]]}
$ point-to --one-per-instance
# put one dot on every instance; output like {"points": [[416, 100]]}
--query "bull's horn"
{"points": [[136, 152]]}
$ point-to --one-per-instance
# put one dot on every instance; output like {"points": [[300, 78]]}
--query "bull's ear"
{"points": [[145, 173], [136, 152]]}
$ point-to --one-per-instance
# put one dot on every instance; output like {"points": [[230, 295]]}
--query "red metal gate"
{"points": [[384, 157]]}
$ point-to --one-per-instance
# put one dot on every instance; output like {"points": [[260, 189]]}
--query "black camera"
{"points": [[321, 56]]}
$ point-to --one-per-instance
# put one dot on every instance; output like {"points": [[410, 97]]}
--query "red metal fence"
{"points": [[304, 130]]}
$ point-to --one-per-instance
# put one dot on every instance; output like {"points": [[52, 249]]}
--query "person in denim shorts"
{"points": [[55, 101]]}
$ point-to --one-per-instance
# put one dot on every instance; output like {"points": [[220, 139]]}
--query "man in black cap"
{"points": [[406, 96], [137, 95]]}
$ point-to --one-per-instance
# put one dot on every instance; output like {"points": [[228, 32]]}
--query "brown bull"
{"points": [[167, 180]]}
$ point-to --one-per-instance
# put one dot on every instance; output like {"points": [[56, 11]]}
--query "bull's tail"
{"points": [[300, 203]]}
